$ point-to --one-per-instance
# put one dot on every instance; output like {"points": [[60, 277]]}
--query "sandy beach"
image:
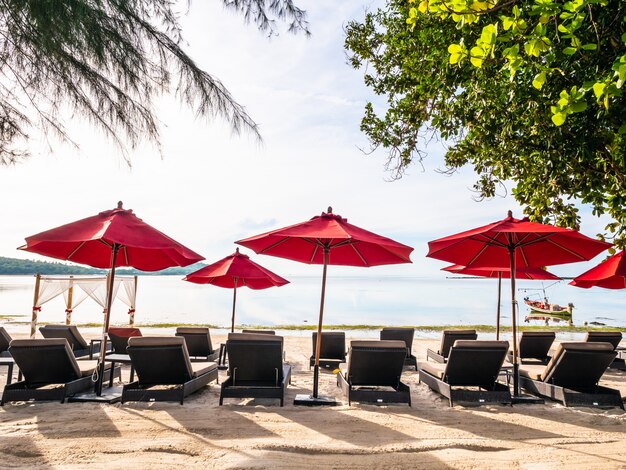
{"points": [[260, 434]]}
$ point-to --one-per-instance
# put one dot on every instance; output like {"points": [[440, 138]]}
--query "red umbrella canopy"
{"points": [[236, 270], [348, 244], [610, 274], [90, 241], [533, 274], [535, 245]]}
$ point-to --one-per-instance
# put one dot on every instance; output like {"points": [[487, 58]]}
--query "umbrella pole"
{"points": [[498, 309], [107, 316], [70, 295], [514, 324], [232, 321], [318, 344], [36, 308]]}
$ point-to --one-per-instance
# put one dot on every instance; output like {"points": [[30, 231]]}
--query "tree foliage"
{"points": [[528, 91], [106, 61]]}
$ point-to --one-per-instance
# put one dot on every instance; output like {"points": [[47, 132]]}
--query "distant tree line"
{"points": [[13, 266]]}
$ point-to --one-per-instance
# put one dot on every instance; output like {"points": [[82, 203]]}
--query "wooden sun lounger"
{"points": [[164, 371], [332, 349], [534, 347], [259, 332], [255, 367], [5, 341], [612, 337], [402, 334], [374, 371], [51, 372], [470, 374], [572, 376], [198, 341], [79, 345], [448, 337]]}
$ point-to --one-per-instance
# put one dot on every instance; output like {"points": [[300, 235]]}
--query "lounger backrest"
{"points": [[535, 344], [45, 361], [255, 358], [450, 336], [613, 337], [259, 332], [578, 365], [160, 359], [197, 339], [376, 363], [69, 332], [475, 363], [333, 345], [119, 338], [401, 334], [5, 339]]}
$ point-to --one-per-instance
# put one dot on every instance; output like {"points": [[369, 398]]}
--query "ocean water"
{"points": [[365, 299]]}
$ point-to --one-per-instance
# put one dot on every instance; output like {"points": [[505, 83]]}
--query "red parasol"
{"points": [[533, 274], [236, 270], [610, 274], [328, 239], [512, 243], [111, 239]]}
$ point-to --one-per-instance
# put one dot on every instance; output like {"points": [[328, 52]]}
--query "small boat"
{"points": [[546, 311]]}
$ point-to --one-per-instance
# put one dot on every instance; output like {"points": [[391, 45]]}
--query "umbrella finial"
{"points": [[120, 204], [509, 213], [237, 250], [330, 210]]}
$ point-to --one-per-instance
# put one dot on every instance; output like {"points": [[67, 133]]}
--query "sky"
{"points": [[210, 188]]}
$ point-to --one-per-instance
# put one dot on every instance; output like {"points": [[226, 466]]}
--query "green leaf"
{"points": [[579, 106], [457, 53], [558, 119], [590, 47], [569, 51], [539, 80], [598, 89], [477, 56]]}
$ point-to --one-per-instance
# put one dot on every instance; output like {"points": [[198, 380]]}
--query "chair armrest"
{"points": [[92, 346], [435, 356]]}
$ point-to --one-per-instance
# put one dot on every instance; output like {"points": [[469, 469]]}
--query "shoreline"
{"points": [[481, 328]]}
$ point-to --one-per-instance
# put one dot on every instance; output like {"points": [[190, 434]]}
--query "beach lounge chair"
{"points": [[198, 341], [164, 371], [470, 373], [50, 369], [259, 332], [332, 349], [119, 343], [255, 367], [79, 345], [5, 340], [534, 347], [373, 373], [612, 337], [119, 338], [572, 375], [402, 334], [448, 338]]}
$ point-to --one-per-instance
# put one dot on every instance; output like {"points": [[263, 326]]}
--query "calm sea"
{"points": [[376, 300]]}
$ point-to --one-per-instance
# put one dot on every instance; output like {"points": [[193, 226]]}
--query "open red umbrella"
{"points": [[236, 270], [328, 239], [111, 239], [533, 274], [610, 274], [511, 244]]}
